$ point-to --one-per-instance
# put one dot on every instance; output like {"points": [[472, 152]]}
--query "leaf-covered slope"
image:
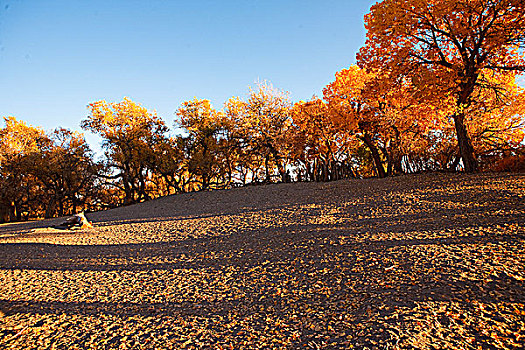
{"points": [[413, 261]]}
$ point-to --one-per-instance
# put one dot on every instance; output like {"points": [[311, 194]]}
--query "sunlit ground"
{"points": [[427, 261]]}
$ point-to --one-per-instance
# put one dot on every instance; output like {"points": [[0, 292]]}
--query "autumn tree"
{"points": [[387, 117], [129, 132], [67, 172], [354, 112], [497, 117], [242, 159], [18, 186], [264, 121], [206, 130], [445, 46], [325, 149], [410, 125], [268, 124], [169, 164]]}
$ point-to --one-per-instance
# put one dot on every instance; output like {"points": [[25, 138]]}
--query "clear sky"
{"points": [[58, 56]]}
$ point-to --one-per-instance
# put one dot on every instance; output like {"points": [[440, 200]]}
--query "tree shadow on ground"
{"points": [[246, 248], [365, 269], [431, 188], [361, 296]]}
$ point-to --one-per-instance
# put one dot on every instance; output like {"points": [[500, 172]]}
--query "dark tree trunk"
{"points": [[128, 195], [395, 153], [398, 164], [466, 150], [326, 174], [4, 213], [60, 209], [50, 209], [375, 155], [281, 168]]}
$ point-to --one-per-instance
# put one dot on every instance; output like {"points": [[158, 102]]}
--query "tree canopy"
{"points": [[450, 49], [435, 87]]}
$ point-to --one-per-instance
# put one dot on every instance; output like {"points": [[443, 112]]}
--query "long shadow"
{"points": [[245, 249], [111, 308], [423, 220], [479, 214], [356, 293], [366, 303], [239, 201], [426, 289], [359, 295]]}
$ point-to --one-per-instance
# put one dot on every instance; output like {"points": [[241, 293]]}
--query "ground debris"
{"points": [[434, 261]]}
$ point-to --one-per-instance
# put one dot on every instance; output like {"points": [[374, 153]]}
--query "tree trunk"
{"points": [[60, 208], [466, 150], [281, 167], [4, 213], [127, 194], [310, 171], [326, 174], [395, 157], [13, 212], [398, 164], [375, 155], [50, 209]]}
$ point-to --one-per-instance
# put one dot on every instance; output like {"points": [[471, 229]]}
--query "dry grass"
{"points": [[430, 262]]}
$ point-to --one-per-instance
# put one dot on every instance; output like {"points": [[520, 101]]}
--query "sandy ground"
{"points": [[431, 261]]}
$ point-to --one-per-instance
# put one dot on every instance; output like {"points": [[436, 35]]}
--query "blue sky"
{"points": [[58, 56]]}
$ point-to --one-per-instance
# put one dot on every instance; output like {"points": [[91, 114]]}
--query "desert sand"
{"points": [[432, 261]]}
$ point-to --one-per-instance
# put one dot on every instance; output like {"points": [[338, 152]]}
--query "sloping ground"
{"points": [[429, 261]]}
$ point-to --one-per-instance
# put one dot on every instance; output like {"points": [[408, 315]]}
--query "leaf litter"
{"points": [[433, 261]]}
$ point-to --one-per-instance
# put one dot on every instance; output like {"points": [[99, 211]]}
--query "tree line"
{"points": [[435, 88]]}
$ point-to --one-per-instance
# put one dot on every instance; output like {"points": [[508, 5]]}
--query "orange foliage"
{"points": [[203, 146], [131, 134], [445, 46]]}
